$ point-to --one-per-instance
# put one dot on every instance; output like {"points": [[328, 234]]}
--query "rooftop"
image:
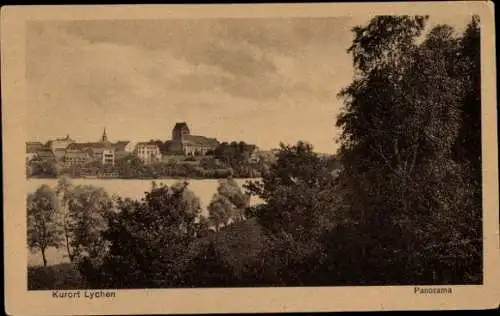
{"points": [[94, 145], [32, 147], [150, 144], [181, 125], [120, 145], [77, 152], [200, 140], [45, 152], [67, 138]]}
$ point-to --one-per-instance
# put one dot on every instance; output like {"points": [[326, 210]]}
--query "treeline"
{"points": [[76, 217], [233, 149], [404, 207]]}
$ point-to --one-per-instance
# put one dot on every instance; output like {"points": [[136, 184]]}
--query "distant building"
{"points": [[124, 146], [179, 131], [104, 137], [45, 154], [108, 156], [76, 156], [60, 144], [59, 153], [148, 152], [31, 149], [102, 151], [190, 145]]}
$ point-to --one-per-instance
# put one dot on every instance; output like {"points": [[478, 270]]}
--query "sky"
{"points": [[263, 81]]}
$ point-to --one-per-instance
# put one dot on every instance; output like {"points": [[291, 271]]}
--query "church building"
{"points": [[190, 145]]}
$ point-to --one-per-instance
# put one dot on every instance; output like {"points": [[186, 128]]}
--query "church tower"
{"points": [[104, 137], [180, 129]]}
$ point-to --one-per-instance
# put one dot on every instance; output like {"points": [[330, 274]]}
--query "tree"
{"points": [[128, 166], [44, 222], [190, 205], [89, 208], [64, 189], [296, 190], [43, 168], [203, 226], [265, 159], [148, 239], [400, 122], [468, 144], [220, 211], [230, 189], [234, 154], [208, 269], [300, 208]]}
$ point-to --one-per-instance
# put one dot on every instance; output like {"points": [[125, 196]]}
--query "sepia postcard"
{"points": [[228, 158]]}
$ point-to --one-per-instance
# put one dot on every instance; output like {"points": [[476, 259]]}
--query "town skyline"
{"points": [[111, 139], [262, 81]]}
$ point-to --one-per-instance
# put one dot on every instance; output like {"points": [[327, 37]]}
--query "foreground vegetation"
{"points": [[404, 208]]}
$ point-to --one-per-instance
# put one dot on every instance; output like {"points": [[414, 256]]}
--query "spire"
{"points": [[104, 136]]}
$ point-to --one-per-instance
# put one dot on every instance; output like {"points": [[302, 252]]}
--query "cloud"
{"points": [[242, 52], [231, 79]]}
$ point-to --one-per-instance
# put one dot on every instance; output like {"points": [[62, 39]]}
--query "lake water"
{"points": [[203, 188]]}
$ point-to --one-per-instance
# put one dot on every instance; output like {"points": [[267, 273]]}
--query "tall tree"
{"points": [[230, 189], [190, 205], [64, 189], [208, 269], [400, 122], [220, 211], [469, 144], [44, 221], [301, 201], [147, 239], [469, 64], [89, 207], [296, 190]]}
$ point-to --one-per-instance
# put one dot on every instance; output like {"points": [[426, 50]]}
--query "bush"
{"points": [[208, 269], [61, 277]]}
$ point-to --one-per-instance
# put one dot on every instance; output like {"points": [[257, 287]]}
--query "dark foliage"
{"points": [[62, 277], [405, 177]]}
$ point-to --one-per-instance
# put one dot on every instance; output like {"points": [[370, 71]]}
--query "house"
{"points": [[190, 145], [59, 153], [45, 154], [102, 151], [123, 148], [108, 156], [60, 143], [148, 152], [76, 156], [31, 149]]}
